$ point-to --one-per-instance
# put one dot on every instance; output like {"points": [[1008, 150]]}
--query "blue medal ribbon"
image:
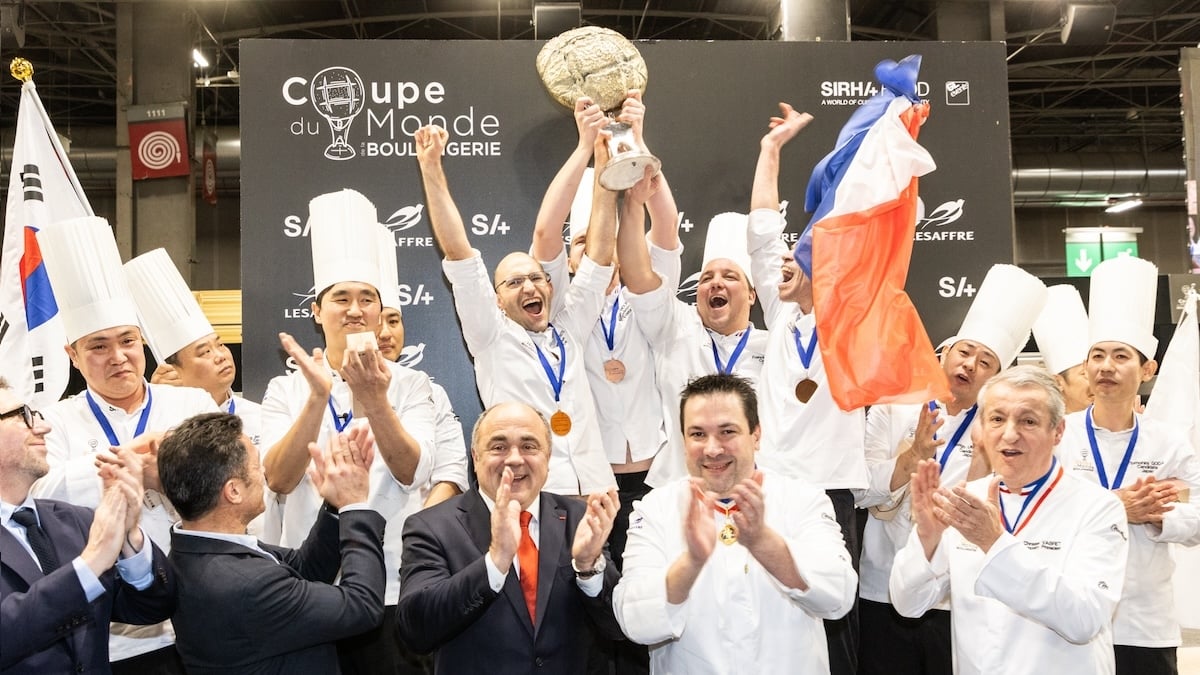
{"points": [[727, 368], [108, 430], [958, 434], [1100, 472], [340, 422], [556, 382], [1036, 487], [230, 408], [805, 354], [1033, 490], [610, 331]]}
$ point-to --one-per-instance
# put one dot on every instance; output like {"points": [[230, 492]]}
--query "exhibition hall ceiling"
{"points": [[1120, 95]]}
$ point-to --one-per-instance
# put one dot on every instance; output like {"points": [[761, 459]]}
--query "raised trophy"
{"points": [[601, 64], [338, 95]]}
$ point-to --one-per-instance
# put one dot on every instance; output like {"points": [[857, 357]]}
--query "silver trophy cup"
{"points": [[604, 66]]}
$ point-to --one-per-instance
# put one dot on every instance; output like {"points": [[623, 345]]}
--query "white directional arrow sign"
{"points": [[1083, 262]]}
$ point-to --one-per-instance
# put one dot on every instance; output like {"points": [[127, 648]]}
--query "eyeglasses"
{"points": [[513, 283], [28, 415]]}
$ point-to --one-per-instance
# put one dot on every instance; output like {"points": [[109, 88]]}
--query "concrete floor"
{"points": [[1189, 654]]}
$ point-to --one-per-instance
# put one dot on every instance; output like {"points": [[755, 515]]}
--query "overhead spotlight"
{"points": [[1124, 205], [199, 59]]}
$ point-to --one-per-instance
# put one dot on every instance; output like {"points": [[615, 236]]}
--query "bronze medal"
{"points": [[805, 389], [614, 370], [560, 423], [728, 535]]}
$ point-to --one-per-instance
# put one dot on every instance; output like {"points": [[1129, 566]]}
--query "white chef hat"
{"points": [[343, 232], [726, 238], [85, 272], [1061, 330], [1121, 303], [389, 270], [1004, 309], [581, 206], [170, 314]]}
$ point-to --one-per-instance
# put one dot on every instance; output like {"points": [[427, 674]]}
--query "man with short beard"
{"points": [[522, 350], [249, 607], [56, 609]]}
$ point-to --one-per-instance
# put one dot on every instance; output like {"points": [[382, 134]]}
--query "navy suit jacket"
{"points": [[46, 623], [447, 605], [242, 612]]}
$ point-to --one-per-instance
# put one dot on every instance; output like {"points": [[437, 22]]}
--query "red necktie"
{"points": [[527, 554]]}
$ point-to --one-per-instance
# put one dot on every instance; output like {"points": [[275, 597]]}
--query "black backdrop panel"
{"points": [[708, 103]]}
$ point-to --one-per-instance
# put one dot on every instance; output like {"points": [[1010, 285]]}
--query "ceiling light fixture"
{"points": [[1123, 206], [199, 59]]}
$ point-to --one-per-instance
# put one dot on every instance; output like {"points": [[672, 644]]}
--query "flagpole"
{"points": [[22, 70]]}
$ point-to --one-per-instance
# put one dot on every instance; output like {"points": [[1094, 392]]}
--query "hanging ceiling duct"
{"points": [[1085, 179]]}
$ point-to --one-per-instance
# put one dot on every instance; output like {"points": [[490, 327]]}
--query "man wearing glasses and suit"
{"points": [[65, 570]]}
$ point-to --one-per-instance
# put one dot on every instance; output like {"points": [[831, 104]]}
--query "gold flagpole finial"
{"points": [[21, 69]]}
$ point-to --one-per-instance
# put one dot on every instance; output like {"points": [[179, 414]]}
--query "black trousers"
{"points": [[841, 635], [621, 657], [163, 661], [1146, 660], [896, 645], [380, 652]]}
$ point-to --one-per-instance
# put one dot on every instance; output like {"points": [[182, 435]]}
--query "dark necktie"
{"points": [[38, 541]]}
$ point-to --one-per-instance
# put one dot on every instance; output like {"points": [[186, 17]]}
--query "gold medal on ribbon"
{"points": [[729, 532], [805, 389], [614, 370], [560, 423]]}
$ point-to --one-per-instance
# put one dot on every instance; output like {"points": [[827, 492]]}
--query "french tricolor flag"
{"points": [[857, 247], [42, 189]]}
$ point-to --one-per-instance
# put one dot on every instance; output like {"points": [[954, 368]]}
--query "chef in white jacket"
{"points": [[1142, 460], [729, 570], [1032, 557]]}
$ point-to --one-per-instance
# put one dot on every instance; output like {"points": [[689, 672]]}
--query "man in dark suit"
{"points": [[466, 590], [246, 606], [60, 578]]}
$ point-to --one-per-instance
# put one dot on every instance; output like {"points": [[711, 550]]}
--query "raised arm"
{"points": [[556, 203], [446, 221], [765, 192], [401, 435], [602, 225], [286, 460], [636, 272], [664, 214]]}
